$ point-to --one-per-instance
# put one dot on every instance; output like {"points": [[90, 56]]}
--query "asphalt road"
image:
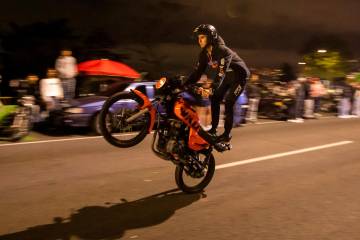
{"points": [[281, 181]]}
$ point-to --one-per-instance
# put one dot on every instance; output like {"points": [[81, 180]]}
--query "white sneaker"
{"points": [[207, 128], [298, 120]]}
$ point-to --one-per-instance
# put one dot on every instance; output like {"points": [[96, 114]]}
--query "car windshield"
{"points": [[100, 86]]}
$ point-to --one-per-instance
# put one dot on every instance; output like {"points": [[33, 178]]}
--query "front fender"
{"points": [[146, 103]]}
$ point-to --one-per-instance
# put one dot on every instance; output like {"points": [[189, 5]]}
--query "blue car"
{"points": [[84, 110]]}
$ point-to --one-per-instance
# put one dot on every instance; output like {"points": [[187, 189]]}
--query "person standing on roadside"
{"points": [[66, 68], [254, 93], [317, 90]]}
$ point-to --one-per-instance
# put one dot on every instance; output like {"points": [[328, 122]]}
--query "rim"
{"points": [[194, 173], [116, 125]]}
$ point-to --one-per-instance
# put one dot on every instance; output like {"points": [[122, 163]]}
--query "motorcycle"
{"points": [[127, 117], [15, 120]]}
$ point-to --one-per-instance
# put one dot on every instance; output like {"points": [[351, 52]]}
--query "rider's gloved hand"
{"points": [[199, 90]]}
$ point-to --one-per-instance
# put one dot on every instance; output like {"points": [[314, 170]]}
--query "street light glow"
{"points": [[322, 51], [302, 63]]}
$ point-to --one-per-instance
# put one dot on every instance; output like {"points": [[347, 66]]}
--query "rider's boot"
{"points": [[223, 142], [213, 140], [222, 146], [212, 132]]}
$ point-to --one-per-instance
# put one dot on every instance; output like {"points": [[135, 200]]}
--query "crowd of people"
{"points": [[58, 85], [308, 97], [297, 100]]}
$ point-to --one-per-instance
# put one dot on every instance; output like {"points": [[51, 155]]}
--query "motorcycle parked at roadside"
{"points": [[15, 120]]}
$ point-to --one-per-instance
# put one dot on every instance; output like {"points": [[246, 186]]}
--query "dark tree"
{"points": [[328, 42]]}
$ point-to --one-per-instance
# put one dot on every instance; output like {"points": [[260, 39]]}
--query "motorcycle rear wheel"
{"points": [[113, 125], [181, 173]]}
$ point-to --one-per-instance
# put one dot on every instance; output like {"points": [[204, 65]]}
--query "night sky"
{"points": [[245, 24]]}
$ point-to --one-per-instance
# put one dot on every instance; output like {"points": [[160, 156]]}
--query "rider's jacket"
{"points": [[221, 58]]}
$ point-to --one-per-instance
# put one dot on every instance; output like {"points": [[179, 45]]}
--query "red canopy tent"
{"points": [[105, 67]]}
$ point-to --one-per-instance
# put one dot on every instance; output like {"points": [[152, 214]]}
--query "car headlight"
{"points": [[74, 110]]}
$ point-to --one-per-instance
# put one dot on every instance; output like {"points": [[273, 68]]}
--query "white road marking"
{"points": [[48, 141], [279, 155], [268, 122], [58, 140], [96, 137]]}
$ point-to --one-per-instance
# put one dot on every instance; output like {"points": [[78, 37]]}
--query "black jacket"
{"points": [[222, 58]]}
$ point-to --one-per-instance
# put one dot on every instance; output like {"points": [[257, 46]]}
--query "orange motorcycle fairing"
{"points": [[189, 116], [147, 104]]}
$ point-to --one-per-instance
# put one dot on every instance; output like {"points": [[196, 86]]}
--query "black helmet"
{"points": [[208, 30]]}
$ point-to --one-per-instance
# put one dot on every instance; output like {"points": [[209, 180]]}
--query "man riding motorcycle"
{"points": [[215, 54]]}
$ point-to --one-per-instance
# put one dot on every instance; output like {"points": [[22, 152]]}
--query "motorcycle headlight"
{"points": [[160, 83], [74, 110]]}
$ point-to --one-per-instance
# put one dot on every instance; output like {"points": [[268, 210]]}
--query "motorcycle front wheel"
{"points": [[194, 176], [114, 120]]}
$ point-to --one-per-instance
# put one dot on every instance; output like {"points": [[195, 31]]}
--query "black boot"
{"points": [[212, 132], [222, 146]]}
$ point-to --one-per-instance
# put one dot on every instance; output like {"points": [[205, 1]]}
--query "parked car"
{"points": [[84, 111]]}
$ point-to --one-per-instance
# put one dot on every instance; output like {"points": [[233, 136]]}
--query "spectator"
{"points": [[253, 92], [203, 109], [356, 101], [309, 100], [51, 90], [296, 110], [67, 70], [33, 85], [344, 105], [34, 92], [317, 90]]}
